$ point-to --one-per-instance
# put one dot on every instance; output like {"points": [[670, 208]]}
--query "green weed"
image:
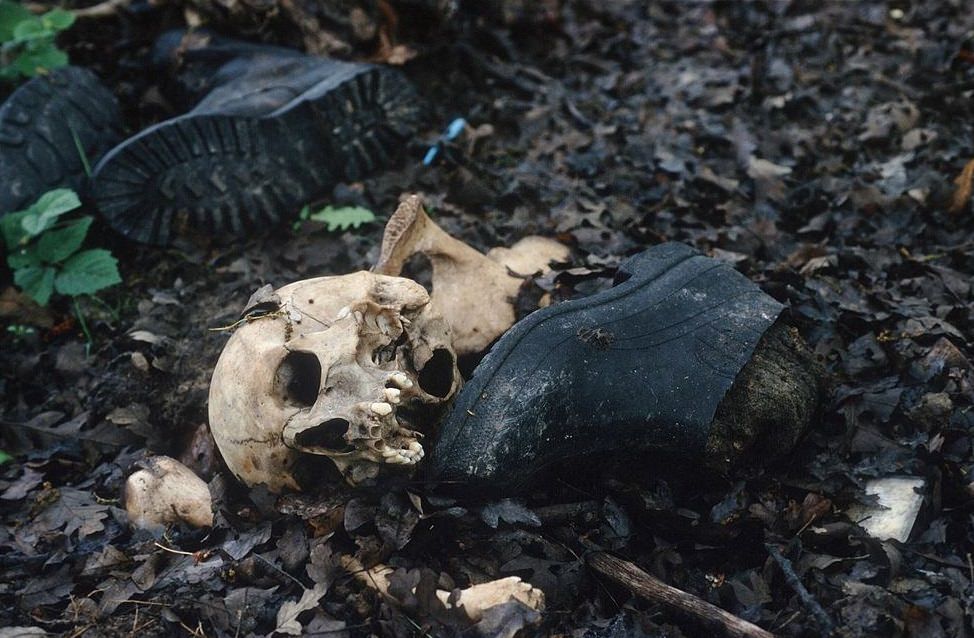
{"points": [[27, 46], [44, 251], [340, 218]]}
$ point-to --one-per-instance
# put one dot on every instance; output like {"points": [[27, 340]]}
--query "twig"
{"points": [[278, 570], [807, 600], [171, 550], [643, 584]]}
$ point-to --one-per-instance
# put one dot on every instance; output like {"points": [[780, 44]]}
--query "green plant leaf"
{"points": [[37, 282], [12, 227], [4, 457], [60, 243], [29, 30], [343, 218], [23, 258], [48, 207], [11, 14], [87, 272], [57, 19], [42, 58]]}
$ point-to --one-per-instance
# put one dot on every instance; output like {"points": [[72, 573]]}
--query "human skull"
{"points": [[332, 366]]}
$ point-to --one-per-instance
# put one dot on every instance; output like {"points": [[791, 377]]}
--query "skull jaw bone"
{"points": [[331, 372]]}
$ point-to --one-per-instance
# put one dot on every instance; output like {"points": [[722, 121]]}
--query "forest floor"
{"points": [[815, 146]]}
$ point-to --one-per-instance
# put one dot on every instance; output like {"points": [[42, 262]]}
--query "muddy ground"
{"points": [[814, 146]]}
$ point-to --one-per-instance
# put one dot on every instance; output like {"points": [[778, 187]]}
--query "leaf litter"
{"points": [[824, 150]]}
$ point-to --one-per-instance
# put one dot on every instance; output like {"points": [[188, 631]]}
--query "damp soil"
{"points": [[820, 148]]}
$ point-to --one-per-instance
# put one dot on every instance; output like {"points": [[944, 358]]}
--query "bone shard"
{"points": [[474, 601], [900, 499], [473, 291], [165, 492]]}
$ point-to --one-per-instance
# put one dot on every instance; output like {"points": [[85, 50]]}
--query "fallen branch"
{"points": [[804, 596], [642, 584]]}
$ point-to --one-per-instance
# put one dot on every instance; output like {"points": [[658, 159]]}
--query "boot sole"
{"points": [[42, 125], [237, 174]]}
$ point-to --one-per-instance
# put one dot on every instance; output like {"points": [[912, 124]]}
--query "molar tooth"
{"points": [[382, 409], [414, 446], [392, 395], [401, 380]]}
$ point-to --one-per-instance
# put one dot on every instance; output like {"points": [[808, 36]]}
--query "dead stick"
{"points": [[655, 590], [804, 596]]}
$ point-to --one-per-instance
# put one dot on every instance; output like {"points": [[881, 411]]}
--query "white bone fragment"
{"points": [[474, 292], [164, 492], [900, 500], [474, 601]]}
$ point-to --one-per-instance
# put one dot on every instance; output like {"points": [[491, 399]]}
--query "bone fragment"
{"points": [[473, 601], [164, 492], [900, 499], [473, 291]]}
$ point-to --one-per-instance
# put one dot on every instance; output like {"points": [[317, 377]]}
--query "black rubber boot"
{"points": [[49, 128], [640, 367], [280, 130]]}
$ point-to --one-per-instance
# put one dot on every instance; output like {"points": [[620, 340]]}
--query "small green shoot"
{"points": [[340, 218], [45, 253], [4, 457], [27, 46], [19, 331]]}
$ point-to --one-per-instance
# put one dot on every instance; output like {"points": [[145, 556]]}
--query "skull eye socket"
{"points": [[436, 377], [330, 435], [298, 378]]}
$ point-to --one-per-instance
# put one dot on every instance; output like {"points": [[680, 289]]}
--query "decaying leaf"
{"points": [[71, 509], [287, 615], [962, 194], [511, 511]]}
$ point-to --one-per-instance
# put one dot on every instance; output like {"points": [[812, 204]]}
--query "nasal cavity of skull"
{"points": [[298, 378], [436, 377], [387, 353], [330, 436]]}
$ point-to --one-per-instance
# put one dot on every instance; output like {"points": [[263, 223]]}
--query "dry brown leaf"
{"points": [[963, 192]]}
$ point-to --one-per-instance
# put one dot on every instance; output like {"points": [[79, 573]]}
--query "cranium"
{"points": [[333, 366]]}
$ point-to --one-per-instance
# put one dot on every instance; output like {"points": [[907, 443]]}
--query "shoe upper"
{"points": [[643, 365]]}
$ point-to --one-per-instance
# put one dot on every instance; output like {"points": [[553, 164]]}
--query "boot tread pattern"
{"points": [[235, 174], [42, 125]]}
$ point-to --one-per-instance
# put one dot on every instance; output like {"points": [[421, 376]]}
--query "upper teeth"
{"points": [[401, 380], [413, 454], [382, 409], [393, 395]]}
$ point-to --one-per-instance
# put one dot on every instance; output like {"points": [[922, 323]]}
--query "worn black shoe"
{"points": [[51, 128], [281, 130], [642, 367]]}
